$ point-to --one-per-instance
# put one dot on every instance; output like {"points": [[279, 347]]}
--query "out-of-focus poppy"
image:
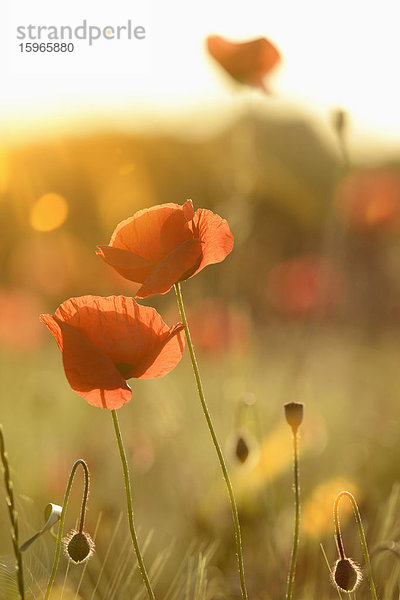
{"points": [[303, 285], [47, 264], [369, 199], [162, 245], [217, 328], [19, 327], [246, 62], [105, 341]]}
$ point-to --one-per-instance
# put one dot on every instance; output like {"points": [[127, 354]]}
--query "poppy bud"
{"points": [[339, 120], [242, 449], [346, 574], [294, 414], [78, 546]]}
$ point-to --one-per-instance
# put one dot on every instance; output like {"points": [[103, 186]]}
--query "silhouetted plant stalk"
{"points": [[62, 519], [13, 515], [235, 515], [340, 125], [142, 567], [351, 576], [294, 417]]}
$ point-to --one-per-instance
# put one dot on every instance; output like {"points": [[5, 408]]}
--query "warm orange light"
{"points": [[317, 511], [49, 212], [4, 170]]}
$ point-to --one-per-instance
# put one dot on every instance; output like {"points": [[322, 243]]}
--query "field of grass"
{"points": [[349, 440]]}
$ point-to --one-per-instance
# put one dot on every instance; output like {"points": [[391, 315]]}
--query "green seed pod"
{"points": [[78, 547], [346, 574]]}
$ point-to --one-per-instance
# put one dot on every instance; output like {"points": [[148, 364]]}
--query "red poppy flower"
{"points": [[304, 285], [369, 199], [164, 244], [247, 62], [105, 341], [217, 328]]}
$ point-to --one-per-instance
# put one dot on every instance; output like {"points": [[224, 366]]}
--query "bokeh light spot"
{"points": [[49, 212]]}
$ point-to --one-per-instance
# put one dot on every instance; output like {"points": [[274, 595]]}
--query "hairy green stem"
{"points": [[361, 532], [235, 515], [13, 515], [296, 532], [84, 466], [135, 542]]}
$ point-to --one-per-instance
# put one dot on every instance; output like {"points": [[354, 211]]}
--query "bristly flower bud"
{"points": [[294, 414], [346, 574], [78, 546]]}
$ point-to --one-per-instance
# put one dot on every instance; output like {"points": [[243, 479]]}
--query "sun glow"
{"points": [[343, 54]]}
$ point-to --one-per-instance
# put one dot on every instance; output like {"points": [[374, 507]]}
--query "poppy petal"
{"points": [[246, 62], [188, 210], [132, 267], [90, 372], [164, 358], [54, 328], [179, 264], [215, 236], [153, 232]]}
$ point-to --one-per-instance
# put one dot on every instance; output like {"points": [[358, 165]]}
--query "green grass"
{"points": [[351, 429]]}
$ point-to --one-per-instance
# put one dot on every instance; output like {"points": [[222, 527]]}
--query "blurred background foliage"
{"points": [[306, 308]]}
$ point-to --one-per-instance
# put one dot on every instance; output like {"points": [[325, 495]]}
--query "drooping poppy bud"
{"points": [[346, 574], [78, 546]]}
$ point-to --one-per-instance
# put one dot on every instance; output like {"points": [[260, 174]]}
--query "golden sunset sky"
{"points": [[343, 53]]}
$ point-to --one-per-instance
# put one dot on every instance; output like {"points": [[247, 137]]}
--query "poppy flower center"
{"points": [[124, 368]]}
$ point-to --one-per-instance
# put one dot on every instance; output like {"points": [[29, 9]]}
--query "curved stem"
{"points": [[296, 534], [235, 515], [135, 542], [13, 516], [360, 531], [84, 497], [62, 518]]}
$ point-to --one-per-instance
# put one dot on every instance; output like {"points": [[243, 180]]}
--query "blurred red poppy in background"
{"points": [[105, 341], [47, 264], [247, 62], [19, 327], [304, 285], [217, 328], [369, 199], [162, 245]]}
